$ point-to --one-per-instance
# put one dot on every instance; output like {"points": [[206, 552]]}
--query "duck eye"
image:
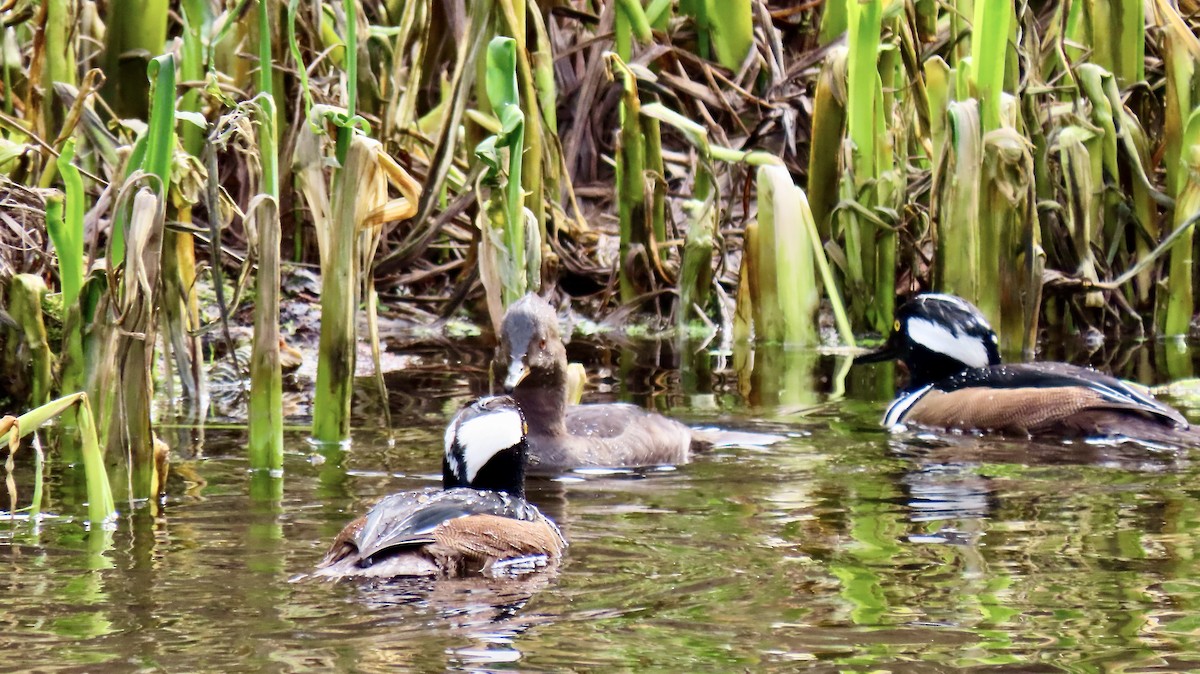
{"points": [[896, 325]]}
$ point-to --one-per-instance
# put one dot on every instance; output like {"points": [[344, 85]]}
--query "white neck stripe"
{"points": [[894, 417]]}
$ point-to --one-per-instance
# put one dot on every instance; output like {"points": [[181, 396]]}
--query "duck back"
{"points": [[614, 434]]}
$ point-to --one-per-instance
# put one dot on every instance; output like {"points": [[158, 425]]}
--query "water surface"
{"points": [[840, 549]]}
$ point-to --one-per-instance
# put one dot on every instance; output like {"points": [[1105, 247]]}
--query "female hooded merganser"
{"points": [[956, 382], [563, 436], [479, 522]]}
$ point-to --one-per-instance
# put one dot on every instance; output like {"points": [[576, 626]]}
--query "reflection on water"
{"points": [[840, 549]]}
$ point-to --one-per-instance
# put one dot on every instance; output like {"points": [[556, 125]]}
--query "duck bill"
{"points": [[517, 371], [889, 351]]}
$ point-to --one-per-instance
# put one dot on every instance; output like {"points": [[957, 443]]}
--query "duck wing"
{"points": [[418, 517], [609, 420], [613, 434], [1031, 398]]}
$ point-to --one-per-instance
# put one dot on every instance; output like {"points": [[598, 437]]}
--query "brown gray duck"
{"points": [[564, 436]]}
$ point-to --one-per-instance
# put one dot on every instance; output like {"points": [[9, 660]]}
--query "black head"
{"points": [[486, 447], [938, 336], [531, 345]]}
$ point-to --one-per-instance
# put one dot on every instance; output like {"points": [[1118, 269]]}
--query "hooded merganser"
{"points": [[479, 522], [563, 436], [957, 382]]}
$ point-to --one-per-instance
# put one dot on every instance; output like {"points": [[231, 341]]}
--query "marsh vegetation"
{"points": [[749, 172]]}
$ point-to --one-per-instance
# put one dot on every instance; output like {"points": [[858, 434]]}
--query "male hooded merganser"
{"points": [[563, 436], [479, 522], [957, 382]]}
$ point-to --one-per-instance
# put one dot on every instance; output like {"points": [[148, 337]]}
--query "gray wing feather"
{"points": [[410, 518]]}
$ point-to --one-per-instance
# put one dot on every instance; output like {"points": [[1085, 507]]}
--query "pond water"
{"points": [[840, 549]]}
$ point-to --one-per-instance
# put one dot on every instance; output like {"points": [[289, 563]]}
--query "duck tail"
{"points": [[1150, 432], [714, 438]]}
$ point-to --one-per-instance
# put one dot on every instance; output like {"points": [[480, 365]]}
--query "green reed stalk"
{"points": [[1078, 33], [1128, 33], [160, 138], [828, 127], [989, 48], [182, 305], [197, 24], [99, 493], [344, 133], [137, 304], [132, 27], [730, 30], [938, 94], [1187, 205], [1008, 238], [887, 193], [339, 260], [787, 301], [503, 93], [545, 91], [696, 267], [833, 21], [1181, 50], [865, 24], [870, 272], [25, 292], [630, 22], [961, 12], [535, 138], [926, 14], [339, 298], [64, 222], [266, 375], [180, 310], [265, 408], [66, 228], [11, 61], [1145, 212], [631, 185], [956, 205], [747, 289], [58, 64], [1080, 169]]}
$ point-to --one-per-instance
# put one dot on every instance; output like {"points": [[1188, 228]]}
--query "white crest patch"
{"points": [[968, 350], [482, 437], [894, 418]]}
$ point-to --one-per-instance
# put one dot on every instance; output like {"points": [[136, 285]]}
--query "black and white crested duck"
{"points": [[564, 436], [958, 383], [479, 522]]}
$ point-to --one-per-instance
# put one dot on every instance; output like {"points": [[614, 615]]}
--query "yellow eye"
{"points": [[896, 326]]}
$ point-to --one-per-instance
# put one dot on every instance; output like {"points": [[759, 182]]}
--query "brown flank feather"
{"points": [[1066, 411], [461, 546], [474, 543]]}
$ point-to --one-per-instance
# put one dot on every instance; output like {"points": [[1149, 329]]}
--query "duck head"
{"points": [[530, 344], [486, 447], [938, 336]]}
